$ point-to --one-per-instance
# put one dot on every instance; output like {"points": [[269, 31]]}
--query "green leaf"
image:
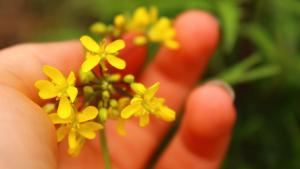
{"points": [[229, 14]]}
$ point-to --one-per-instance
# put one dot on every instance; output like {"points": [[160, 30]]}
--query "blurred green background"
{"points": [[259, 54]]}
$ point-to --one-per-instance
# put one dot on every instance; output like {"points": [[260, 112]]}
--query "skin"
{"points": [[28, 137]]}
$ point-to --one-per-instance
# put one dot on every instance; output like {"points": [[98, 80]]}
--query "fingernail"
{"points": [[224, 86]]}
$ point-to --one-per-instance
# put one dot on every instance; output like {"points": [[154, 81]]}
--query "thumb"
{"points": [[27, 136]]}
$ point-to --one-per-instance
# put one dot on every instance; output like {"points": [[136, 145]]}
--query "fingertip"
{"points": [[197, 33], [209, 111], [209, 118]]}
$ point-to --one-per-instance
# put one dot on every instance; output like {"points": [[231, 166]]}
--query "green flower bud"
{"points": [[105, 94], [49, 108], [87, 90], [103, 114], [114, 78], [113, 103], [129, 78]]}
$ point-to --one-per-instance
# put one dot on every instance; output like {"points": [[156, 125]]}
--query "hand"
{"points": [[28, 137]]}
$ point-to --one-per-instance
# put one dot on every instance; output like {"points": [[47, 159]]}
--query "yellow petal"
{"points": [[138, 88], [57, 120], [144, 120], [116, 62], [115, 46], [72, 93], [54, 74], [130, 110], [90, 62], [151, 91], [88, 129], [64, 108], [136, 100], [75, 151], [87, 114], [72, 139], [47, 89], [89, 134], [89, 44], [167, 114], [172, 44], [61, 133], [121, 128], [91, 126], [71, 79]]}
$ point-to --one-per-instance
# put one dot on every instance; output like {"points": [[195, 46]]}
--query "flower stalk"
{"points": [[104, 149]]}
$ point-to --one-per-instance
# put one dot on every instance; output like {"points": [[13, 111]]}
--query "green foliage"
{"points": [[259, 54]]}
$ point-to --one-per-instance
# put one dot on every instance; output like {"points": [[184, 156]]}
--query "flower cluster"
{"points": [[144, 22], [79, 109]]}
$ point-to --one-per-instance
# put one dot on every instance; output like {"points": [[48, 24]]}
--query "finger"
{"points": [[27, 136], [178, 70], [205, 133], [197, 34], [21, 65]]}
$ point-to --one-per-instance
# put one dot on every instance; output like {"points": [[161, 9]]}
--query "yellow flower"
{"points": [[60, 87], [145, 103], [78, 128], [162, 31], [141, 19], [98, 53]]}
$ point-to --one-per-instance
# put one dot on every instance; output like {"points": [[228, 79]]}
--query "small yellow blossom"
{"points": [[60, 87], [98, 53], [145, 103], [162, 31], [78, 127], [142, 18]]}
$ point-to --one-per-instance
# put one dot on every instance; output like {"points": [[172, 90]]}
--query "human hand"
{"points": [[28, 137]]}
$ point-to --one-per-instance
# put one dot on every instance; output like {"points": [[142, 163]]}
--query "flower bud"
{"points": [[129, 78], [114, 77], [103, 114]]}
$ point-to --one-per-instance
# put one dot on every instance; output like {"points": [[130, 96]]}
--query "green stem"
{"points": [[104, 148]]}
